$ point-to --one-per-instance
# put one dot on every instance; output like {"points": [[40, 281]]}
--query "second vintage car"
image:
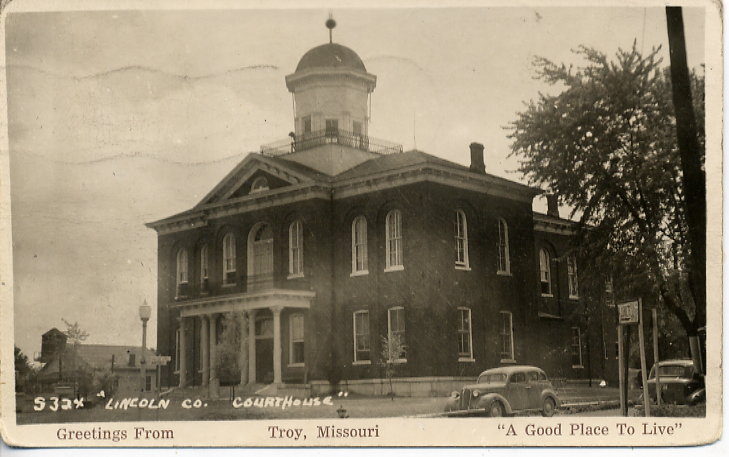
{"points": [[680, 382], [505, 391]]}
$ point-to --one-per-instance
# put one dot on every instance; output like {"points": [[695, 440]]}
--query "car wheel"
{"points": [[496, 409], [548, 407]]}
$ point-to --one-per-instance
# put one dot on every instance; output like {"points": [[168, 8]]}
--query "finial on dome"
{"points": [[330, 23]]}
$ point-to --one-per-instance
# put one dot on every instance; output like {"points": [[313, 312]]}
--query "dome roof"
{"points": [[331, 55]]}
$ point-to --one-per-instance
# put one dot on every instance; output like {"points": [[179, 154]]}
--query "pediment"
{"points": [[256, 174]]}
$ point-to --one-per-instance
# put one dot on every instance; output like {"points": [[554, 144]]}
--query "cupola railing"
{"points": [[330, 136]]}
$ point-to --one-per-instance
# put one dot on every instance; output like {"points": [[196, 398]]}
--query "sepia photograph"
{"points": [[485, 224]]}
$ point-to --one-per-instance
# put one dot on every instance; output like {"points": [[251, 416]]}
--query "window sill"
{"points": [[463, 267], [394, 268], [574, 297], [466, 359], [359, 273], [204, 292], [507, 361], [504, 273], [547, 295], [297, 275], [581, 367], [232, 284], [362, 362], [398, 361], [296, 365], [181, 297], [542, 315]]}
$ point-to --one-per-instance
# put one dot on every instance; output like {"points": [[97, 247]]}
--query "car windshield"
{"points": [[675, 371], [492, 378]]}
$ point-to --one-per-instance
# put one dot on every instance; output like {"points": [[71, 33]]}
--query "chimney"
{"points": [[553, 205], [477, 164]]}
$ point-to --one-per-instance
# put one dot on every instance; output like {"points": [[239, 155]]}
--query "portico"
{"points": [[260, 322]]}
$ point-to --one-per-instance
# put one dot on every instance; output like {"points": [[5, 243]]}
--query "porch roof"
{"points": [[284, 298]]}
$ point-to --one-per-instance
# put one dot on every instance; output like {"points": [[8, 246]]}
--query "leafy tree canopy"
{"points": [[606, 144]]}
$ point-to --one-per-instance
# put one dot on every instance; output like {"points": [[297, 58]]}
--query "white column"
{"points": [[276, 344], [243, 350], [252, 346], [183, 353], [204, 348], [213, 358]]}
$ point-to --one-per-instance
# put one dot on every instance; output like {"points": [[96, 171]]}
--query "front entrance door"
{"points": [[264, 349], [264, 360]]}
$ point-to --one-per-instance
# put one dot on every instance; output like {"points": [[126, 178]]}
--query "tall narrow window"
{"points": [[504, 262], [393, 237], [177, 350], [609, 294], [182, 270], [507, 336], [545, 279], [465, 348], [306, 124], [572, 276], [362, 336], [461, 234], [204, 267], [296, 345], [359, 246], [229, 259], [357, 128], [396, 333], [576, 348], [332, 127], [296, 250], [260, 257]]}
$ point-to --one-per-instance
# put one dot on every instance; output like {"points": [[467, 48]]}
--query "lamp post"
{"points": [[145, 311]]}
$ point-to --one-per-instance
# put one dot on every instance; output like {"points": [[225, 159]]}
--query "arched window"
{"points": [[461, 234], [545, 279], [204, 267], [393, 238], [260, 257], [296, 250], [182, 269], [504, 262], [259, 184], [359, 245], [572, 276], [229, 259]]}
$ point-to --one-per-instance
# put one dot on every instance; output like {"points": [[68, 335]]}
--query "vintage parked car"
{"points": [[505, 391], [681, 383]]}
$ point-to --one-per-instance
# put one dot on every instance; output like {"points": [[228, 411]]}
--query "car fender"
{"points": [[486, 399], [551, 393], [696, 397]]}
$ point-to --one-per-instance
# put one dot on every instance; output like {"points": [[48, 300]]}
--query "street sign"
{"points": [[628, 312]]}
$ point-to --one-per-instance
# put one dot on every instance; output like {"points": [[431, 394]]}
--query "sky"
{"points": [[118, 118]]}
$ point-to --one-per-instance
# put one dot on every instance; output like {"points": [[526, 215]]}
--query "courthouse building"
{"points": [[328, 243]]}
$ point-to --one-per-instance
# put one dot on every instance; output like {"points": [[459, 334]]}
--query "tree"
{"points": [[606, 144], [228, 349], [76, 335], [393, 349], [22, 369]]}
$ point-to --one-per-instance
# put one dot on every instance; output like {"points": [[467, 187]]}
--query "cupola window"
{"points": [[332, 127]]}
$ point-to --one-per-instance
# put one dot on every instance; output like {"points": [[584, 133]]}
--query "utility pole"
{"points": [[693, 177]]}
